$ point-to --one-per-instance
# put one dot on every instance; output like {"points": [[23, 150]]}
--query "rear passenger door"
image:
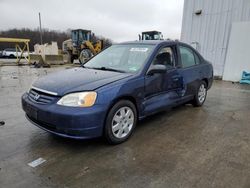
{"points": [[189, 69]]}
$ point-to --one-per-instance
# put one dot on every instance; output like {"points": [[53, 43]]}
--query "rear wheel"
{"points": [[200, 95], [70, 57], [120, 123]]}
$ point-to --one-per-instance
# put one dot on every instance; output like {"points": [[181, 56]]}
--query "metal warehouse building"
{"points": [[213, 27]]}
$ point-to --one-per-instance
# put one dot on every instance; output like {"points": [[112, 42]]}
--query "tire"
{"points": [[200, 95], [70, 56], [118, 128], [85, 55], [11, 56]]}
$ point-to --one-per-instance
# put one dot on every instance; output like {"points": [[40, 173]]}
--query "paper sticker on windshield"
{"points": [[138, 49]]}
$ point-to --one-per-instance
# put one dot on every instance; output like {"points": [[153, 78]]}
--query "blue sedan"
{"points": [[121, 85]]}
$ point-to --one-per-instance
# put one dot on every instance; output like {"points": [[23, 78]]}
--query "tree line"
{"points": [[34, 35]]}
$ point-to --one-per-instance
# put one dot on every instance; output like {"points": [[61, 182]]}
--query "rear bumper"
{"points": [[71, 122]]}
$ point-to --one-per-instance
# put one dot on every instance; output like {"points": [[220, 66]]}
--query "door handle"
{"points": [[176, 78]]}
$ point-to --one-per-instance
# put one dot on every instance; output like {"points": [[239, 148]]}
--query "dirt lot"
{"points": [[184, 147]]}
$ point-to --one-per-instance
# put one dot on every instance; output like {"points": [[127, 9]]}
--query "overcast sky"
{"points": [[119, 20]]}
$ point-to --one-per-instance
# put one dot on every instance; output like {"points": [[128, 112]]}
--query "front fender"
{"points": [[133, 88]]}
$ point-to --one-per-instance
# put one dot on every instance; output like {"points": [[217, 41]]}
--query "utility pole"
{"points": [[40, 23]]}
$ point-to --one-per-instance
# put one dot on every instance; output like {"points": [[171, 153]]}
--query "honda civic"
{"points": [[115, 89]]}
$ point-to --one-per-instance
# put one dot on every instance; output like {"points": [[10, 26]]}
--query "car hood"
{"points": [[77, 79]]}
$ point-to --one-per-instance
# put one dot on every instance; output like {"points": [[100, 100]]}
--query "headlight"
{"points": [[81, 99]]}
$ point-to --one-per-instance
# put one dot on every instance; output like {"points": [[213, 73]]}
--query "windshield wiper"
{"points": [[83, 66], [107, 69]]}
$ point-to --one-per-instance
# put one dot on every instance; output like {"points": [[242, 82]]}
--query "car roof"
{"points": [[11, 49], [152, 42]]}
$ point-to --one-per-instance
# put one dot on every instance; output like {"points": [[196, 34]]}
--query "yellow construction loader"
{"points": [[82, 45]]}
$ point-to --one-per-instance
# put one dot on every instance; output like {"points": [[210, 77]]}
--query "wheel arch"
{"points": [[206, 81], [125, 97]]}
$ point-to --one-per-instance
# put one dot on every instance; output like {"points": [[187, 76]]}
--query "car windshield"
{"points": [[121, 57]]}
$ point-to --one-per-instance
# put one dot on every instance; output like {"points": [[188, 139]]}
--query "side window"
{"points": [[197, 58], [187, 57], [165, 57]]}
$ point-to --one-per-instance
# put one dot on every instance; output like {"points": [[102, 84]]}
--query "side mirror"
{"points": [[140, 37], [157, 69]]}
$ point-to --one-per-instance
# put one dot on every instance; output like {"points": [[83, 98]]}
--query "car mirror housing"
{"points": [[157, 69]]}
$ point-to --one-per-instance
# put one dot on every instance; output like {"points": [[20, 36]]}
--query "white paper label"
{"points": [[36, 162], [138, 49]]}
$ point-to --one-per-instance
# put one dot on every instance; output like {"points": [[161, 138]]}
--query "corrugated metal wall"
{"points": [[211, 29]]}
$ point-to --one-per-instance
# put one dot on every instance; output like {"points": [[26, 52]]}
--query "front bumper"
{"points": [[71, 122]]}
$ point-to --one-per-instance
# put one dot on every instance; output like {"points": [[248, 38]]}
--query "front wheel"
{"points": [[120, 123], [200, 95], [85, 55], [11, 56], [70, 57]]}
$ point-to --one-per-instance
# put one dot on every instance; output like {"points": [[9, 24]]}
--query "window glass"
{"points": [[81, 35], [123, 57], [197, 58], [10, 49], [74, 36], [165, 57], [187, 57]]}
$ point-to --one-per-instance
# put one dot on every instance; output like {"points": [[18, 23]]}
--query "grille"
{"points": [[41, 97], [53, 128]]}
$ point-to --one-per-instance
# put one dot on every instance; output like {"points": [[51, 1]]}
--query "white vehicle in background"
{"points": [[12, 53]]}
